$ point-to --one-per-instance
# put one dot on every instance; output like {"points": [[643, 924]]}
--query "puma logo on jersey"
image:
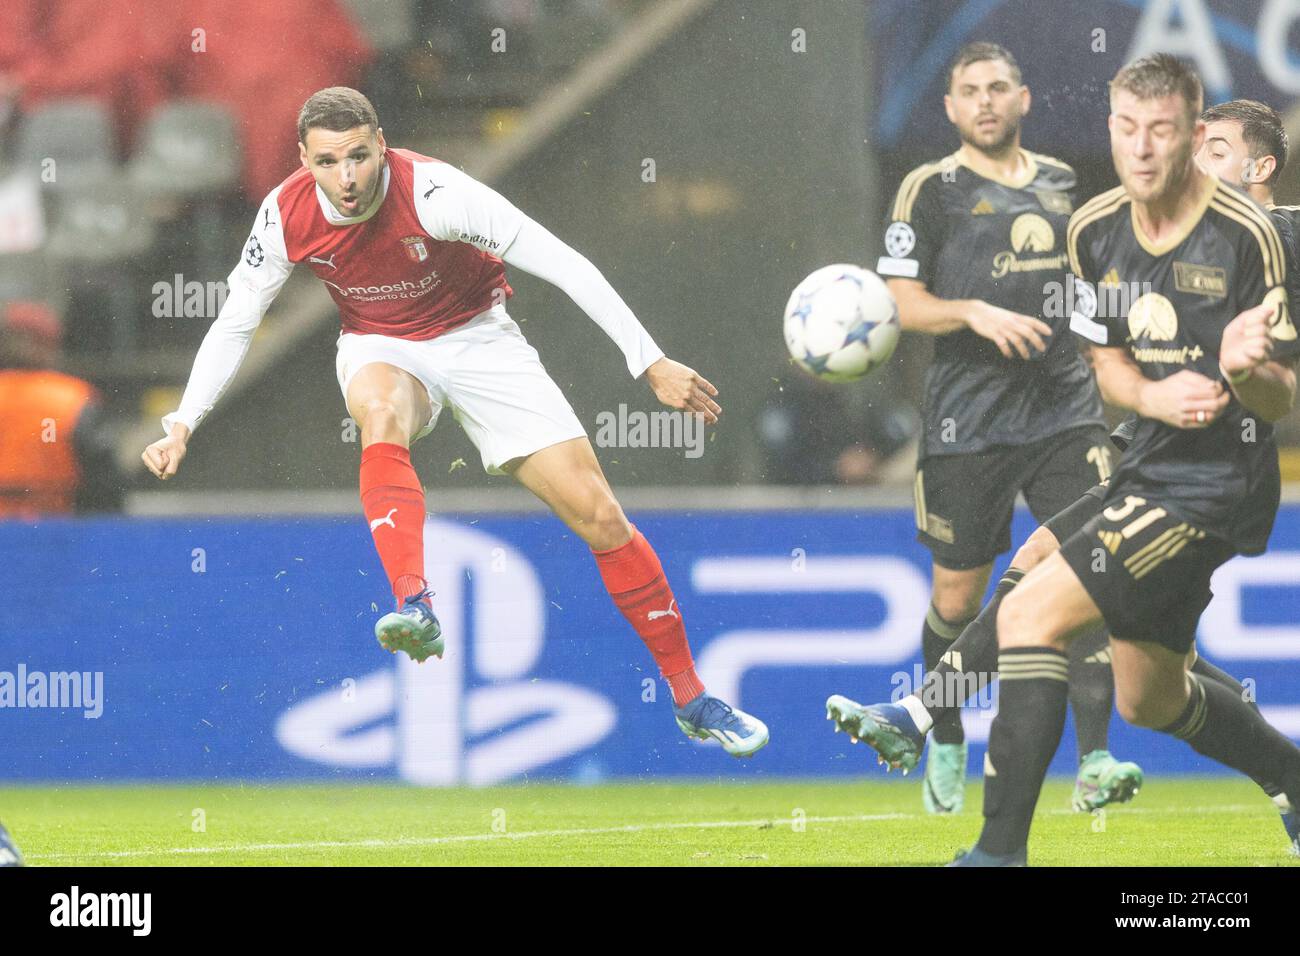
{"points": [[431, 191], [387, 519], [655, 615], [325, 262]]}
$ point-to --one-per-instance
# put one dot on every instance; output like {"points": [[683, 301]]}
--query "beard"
{"points": [[1005, 137]]}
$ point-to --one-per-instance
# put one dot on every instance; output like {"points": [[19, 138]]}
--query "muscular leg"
{"points": [[388, 403], [1036, 623], [568, 478], [1154, 688], [391, 406]]}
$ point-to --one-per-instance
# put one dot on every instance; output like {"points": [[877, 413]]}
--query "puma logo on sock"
{"points": [[387, 519], [655, 615]]}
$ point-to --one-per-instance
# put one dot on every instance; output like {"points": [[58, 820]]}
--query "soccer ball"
{"points": [[841, 323]]}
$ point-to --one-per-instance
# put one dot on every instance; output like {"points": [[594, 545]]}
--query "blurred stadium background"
{"points": [[138, 139]]}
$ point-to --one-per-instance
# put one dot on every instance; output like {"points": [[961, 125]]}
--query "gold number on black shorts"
{"points": [[1099, 455], [1120, 512]]}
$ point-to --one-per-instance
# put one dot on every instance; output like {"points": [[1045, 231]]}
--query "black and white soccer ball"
{"points": [[841, 323]]}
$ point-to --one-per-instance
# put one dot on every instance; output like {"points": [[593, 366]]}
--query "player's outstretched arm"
{"points": [[1264, 386], [539, 253], [919, 310], [453, 206], [263, 267]]}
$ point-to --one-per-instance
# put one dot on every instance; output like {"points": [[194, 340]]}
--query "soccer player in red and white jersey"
{"points": [[412, 251]]}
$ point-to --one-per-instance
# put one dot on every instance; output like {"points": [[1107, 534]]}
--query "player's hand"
{"points": [[1011, 332], [164, 456], [679, 386], [1185, 399], [1246, 343]]}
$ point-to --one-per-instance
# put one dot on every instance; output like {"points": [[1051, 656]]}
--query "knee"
{"points": [[604, 523], [1145, 710], [1039, 546], [378, 414], [956, 601]]}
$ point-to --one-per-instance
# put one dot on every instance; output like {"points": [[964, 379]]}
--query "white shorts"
{"points": [[489, 376]]}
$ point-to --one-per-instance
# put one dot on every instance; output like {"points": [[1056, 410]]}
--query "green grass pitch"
{"points": [[1173, 821]]}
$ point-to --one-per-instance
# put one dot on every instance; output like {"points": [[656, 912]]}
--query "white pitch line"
{"points": [[465, 838], [586, 831]]}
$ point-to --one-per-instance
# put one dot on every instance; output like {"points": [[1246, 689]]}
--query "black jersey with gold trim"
{"points": [[966, 236], [1167, 303], [1286, 218]]}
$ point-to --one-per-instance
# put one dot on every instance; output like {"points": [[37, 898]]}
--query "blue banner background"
{"points": [[263, 664]]}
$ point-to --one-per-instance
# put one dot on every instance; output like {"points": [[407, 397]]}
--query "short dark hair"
{"points": [[978, 51], [1160, 74], [1261, 128], [336, 108]]}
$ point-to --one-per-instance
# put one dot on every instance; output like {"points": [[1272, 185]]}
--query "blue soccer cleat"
{"points": [[977, 857], [888, 728], [709, 718], [413, 629], [9, 855]]}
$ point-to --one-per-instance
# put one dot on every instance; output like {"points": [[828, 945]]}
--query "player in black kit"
{"points": [[1010, 405], [1181, 289], [1246, 145]]}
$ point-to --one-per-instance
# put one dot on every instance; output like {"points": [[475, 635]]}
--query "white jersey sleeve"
{"points": [[252, 287], [452, 206]]}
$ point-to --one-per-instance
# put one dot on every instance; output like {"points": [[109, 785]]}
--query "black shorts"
{"points": [[1065, 523], [964, 502], [1147, 571]]}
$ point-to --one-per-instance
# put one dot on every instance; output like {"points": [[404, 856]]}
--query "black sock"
{"points": [[1023, 739], [937, 636], [1204, 668], [1092, 690], [1218, 724], [969, 663]]}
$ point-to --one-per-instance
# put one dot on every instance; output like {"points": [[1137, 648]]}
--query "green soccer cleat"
{"points": [[887, 728], [413, 629], [945, 778], [1104, 780]]}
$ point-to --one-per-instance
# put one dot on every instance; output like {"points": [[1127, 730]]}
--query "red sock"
{"points": [[635, 580], [393, 501]]}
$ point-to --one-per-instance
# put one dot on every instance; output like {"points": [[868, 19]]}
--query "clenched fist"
{"points": [[164, 456]]}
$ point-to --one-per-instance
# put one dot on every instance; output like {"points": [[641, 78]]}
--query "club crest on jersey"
{"points": [[416, 248]]}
